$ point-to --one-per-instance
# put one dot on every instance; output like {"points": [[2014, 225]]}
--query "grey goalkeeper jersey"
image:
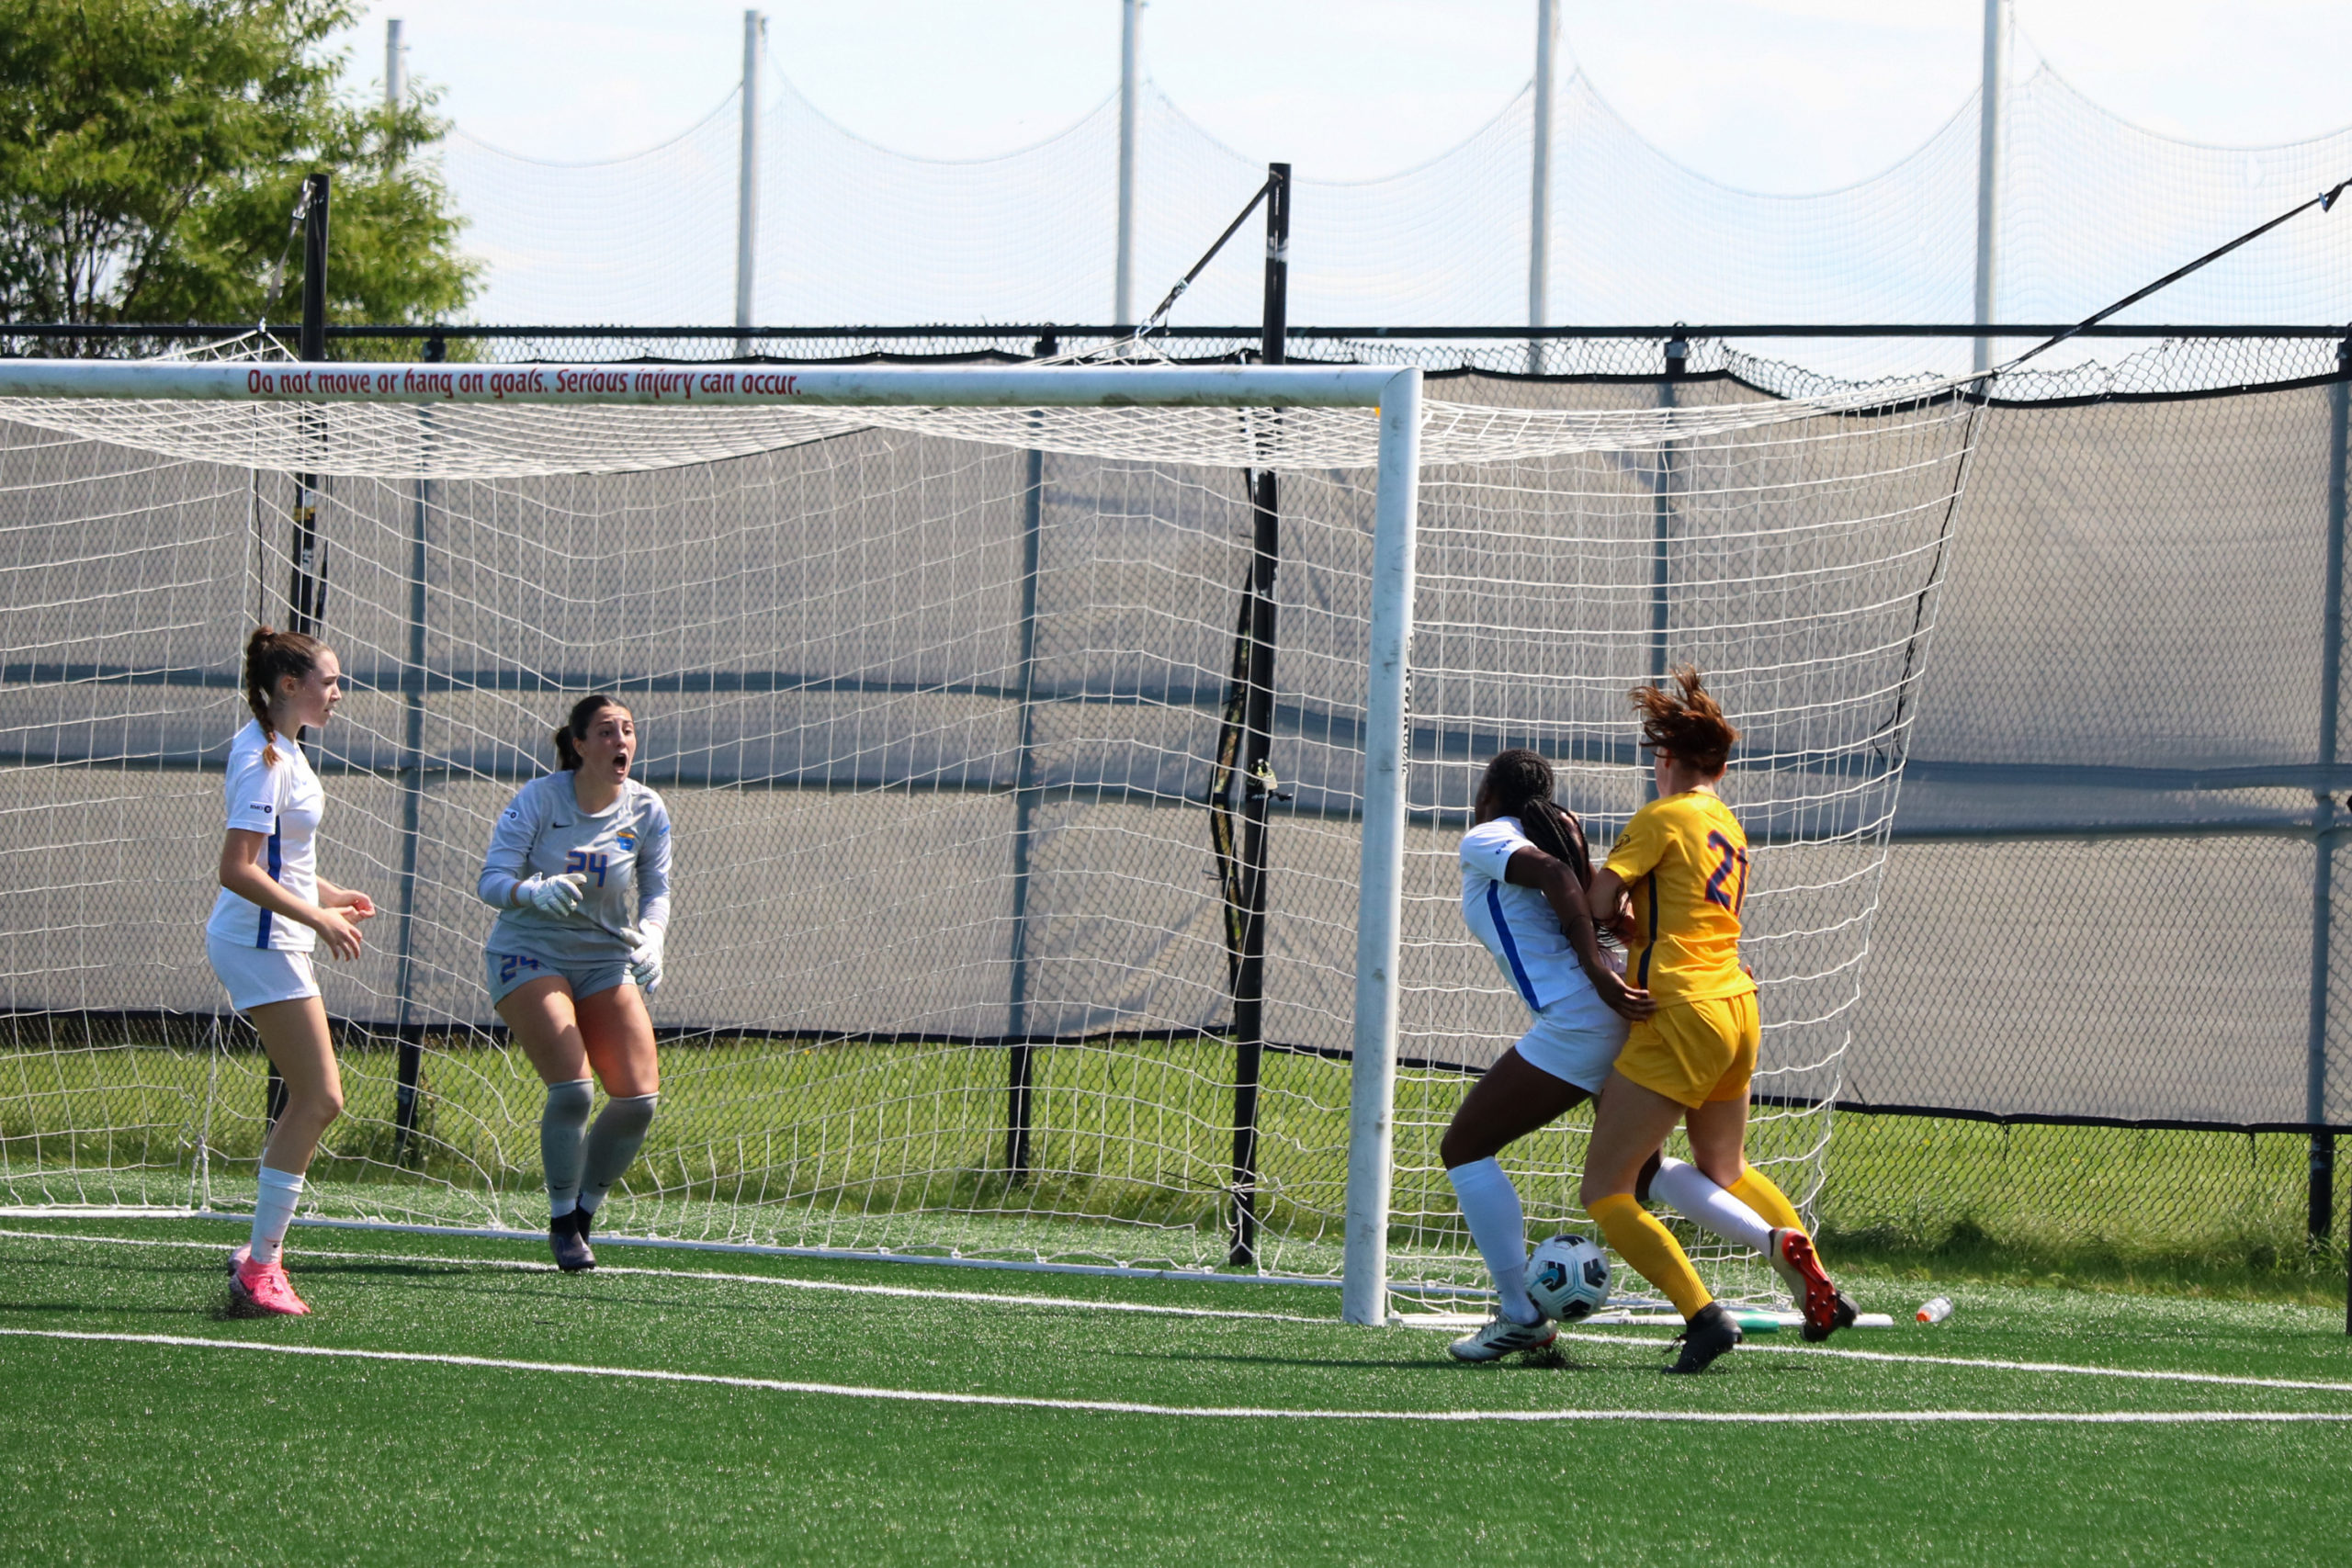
{"points": [[623, 851]]}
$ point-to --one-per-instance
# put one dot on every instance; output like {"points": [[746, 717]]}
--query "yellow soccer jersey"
{"points": [[1684, 859]]}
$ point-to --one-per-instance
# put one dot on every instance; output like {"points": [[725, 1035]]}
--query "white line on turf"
{"points": [[1999, 1366], [528, 1265], [1015, 1299], [830, 1254], [1220, 1412]]}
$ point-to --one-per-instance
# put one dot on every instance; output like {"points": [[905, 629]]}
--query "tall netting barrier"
{"points": [[952, 708], [2090, 207]]}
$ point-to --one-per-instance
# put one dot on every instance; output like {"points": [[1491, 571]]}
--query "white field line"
{"points": [[827, 1254], [1999, 1366], [1012, 1299], [1228, 1411], [527, 1266], [841, 1254]]}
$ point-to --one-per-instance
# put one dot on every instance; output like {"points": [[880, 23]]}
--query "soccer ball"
{"points": [[1569, 1277]]}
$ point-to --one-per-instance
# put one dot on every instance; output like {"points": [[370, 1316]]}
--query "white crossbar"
{"points": [[978, 386]]}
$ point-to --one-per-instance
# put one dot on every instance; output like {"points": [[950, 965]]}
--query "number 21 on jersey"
{"points": [[1728, 885]]}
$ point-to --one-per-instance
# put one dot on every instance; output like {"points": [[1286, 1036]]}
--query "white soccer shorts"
{"points": [[257, 977], [1580, 1053]]}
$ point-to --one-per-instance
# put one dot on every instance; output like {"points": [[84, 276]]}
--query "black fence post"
{"points": [[1258, 733], [409, 1074], [1678, 358], [306, 593], [1020, 1054], [2321, 1215]]}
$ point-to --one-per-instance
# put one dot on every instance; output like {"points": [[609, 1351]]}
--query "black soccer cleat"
{"points": [[1708, 1335], [568, 1239]]}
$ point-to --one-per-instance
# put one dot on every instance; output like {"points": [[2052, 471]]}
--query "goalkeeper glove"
{"points": [[552, 896], [645, 962]]}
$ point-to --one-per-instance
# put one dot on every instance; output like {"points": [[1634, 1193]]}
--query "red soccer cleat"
{"points": [[1825, 1307]]}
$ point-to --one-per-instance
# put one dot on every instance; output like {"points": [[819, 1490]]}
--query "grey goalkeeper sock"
{"points": [[612, 1143], [564, 1134]]}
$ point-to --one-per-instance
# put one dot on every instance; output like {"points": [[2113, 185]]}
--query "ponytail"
{"points": [[574, 729], [1522, 783], [270, 657], [1690, 727]]}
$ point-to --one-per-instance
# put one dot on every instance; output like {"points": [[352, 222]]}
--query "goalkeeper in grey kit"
{"points": [[579, 868]]}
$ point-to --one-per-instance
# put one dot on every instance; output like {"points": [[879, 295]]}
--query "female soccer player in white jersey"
{"points": [[1525, 872], [579, 868], [272, 908]]}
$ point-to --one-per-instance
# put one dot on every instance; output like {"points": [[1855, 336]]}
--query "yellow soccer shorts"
{"points": [[1696, 1052]]}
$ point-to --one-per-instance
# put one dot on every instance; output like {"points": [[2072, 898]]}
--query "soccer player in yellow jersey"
{"points": [[1683, 859]]}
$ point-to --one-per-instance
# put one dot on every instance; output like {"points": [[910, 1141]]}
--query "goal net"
{"points": [[1045, 892]]}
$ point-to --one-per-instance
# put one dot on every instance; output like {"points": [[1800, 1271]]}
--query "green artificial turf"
{"points": [[116, 1452]]}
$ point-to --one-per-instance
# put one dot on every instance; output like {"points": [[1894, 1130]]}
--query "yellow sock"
{"points": [[1756, 1189], [1651, 1248]]}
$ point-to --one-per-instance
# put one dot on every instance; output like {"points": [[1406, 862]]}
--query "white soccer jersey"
{"points": [[283, 804], [1520, 929], [623, 850]]}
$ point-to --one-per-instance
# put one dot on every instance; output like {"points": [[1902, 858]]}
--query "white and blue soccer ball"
{"points": [[1569, 1277]]}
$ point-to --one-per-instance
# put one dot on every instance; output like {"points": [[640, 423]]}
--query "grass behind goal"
{"points": [[868, 1143]]}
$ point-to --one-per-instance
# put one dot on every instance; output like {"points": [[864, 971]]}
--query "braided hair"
{"points": [[1690, 727], [1522, 783], [270, 657]]}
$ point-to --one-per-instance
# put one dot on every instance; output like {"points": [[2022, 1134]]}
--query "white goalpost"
{"points": [[989, 943]]}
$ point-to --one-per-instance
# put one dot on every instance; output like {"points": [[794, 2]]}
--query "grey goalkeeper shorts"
{"points": [[506, 972]]}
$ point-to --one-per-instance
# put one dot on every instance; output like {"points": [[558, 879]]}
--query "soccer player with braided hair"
{"points": [[1684, 859], [272, 910], [579, 869], [1525, 870]]}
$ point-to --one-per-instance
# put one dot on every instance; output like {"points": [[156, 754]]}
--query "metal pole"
{"points": [[395, 65], [1539, 203], [1363, 1296], [2322, 1212], [747, 181], [1258, 734], [1678, 353], [306, 591], [1122, 277], [1989, 115], [413, 683], [1018, 1056]]}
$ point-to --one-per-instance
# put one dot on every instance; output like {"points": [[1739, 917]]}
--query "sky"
{"points": [[1779, 96]]}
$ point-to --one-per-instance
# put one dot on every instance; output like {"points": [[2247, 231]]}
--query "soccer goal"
{"points": [[1067, 765]]}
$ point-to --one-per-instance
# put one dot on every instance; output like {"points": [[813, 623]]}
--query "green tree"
{"points": [[152, 150]]}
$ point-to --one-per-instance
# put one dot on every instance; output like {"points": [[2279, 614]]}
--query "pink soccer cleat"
{"points": [[263, 1290]]}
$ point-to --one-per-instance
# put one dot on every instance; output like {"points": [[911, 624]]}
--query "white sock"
{"points": [[1490, 1203], [1707, 1205], [273, 1212]]}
